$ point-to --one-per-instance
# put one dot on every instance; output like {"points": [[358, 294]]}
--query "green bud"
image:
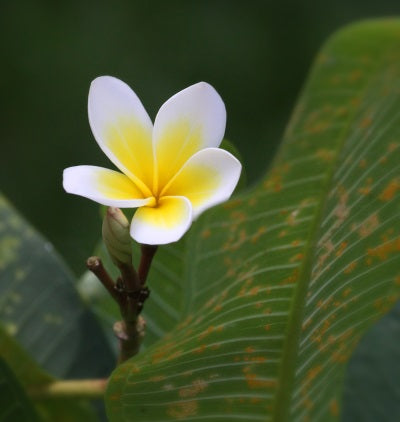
{"points": [[116, 236]]}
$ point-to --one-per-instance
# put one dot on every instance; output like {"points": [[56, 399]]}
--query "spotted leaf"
{"points": [[281, 282]]}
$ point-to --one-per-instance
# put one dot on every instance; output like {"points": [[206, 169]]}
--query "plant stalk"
{"points": [[87, 389], [148, 252], [95, 265], [130, 293]]}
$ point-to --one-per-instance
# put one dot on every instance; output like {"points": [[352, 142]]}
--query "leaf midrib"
{"points": [[290, 350]]}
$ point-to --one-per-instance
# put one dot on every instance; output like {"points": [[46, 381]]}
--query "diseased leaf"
{"points": [[280, 283], [39, 305], [41, 310]]}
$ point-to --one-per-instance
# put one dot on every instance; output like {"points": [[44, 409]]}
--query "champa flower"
{"points": [[171, 172]]}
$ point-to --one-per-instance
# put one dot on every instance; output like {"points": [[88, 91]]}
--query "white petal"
{"points": [[191, 120], [122, 128], [208, 178], [163, 224], [107, 187]]}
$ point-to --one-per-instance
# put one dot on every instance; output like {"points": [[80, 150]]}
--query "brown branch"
{"points": [[129, 292], [130, 277], [130, 336], [95, 265]]}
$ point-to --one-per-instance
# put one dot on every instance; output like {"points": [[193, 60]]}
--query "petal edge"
{"points": [[191, 120], [107, 187], [208, 178], [122, 128], [163, 224]]}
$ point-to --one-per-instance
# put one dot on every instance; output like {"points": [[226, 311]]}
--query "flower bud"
{"points": [[116, 236]]}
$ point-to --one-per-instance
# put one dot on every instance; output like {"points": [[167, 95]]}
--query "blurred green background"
{"points": [[255, 53]]}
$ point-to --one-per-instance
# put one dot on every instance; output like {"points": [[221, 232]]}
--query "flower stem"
{"points": [[88, 389], [148, 252], [130, 293], [130, 335]]}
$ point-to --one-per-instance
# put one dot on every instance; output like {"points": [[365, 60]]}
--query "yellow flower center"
{"points": [[153, 202]]}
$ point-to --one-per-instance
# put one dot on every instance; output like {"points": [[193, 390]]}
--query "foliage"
{"points": [[372, 384], [14, 405], [281, 282], [255, 314], [41, 312]]}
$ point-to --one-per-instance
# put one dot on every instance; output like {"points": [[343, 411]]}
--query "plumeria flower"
{"points": [[171, 171]]}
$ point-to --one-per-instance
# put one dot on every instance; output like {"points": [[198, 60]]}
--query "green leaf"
{"points": [[24, 367], [66, 410], [42, 312], [280, 283], [14, 405], [40, 307], [31, 376]]}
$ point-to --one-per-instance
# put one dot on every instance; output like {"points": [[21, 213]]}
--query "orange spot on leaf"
{"points": [[325, 154], [355, 75], [363, 163], [232, 204], [254, 291], [313, 372], [182, 410], [334, 407], [368, 225], [383, 251], [292, 278], [254, 382], [197, 387], [200, 349], [390, 190], [346, 292], [366, 122], [297, 257], [261, 230], [206, 233], [157, 378], [393, 146], [206, 332], [341, 248]]}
